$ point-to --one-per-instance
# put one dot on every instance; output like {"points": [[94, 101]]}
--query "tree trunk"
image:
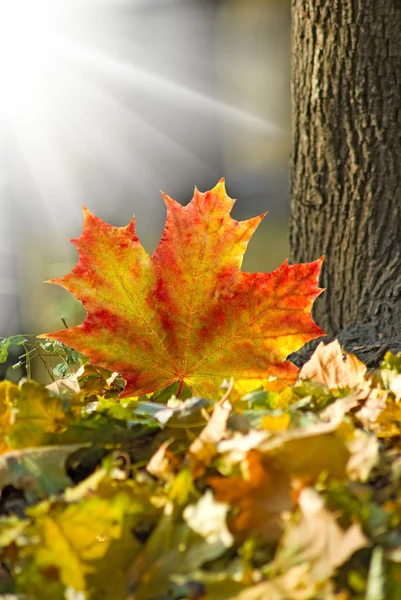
{"points": [[346, 157]]}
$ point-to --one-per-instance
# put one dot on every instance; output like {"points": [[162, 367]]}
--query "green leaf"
{"points": [[18, 340], [4, 346], [39, 472], [60, 370]]}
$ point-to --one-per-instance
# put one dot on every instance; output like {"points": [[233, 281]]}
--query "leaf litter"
{"points": [[194, 490]]}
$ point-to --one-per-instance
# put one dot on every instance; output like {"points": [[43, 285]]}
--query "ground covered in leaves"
{"points": [[289, 493]]}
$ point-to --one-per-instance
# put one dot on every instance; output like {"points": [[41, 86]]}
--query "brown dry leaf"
{"points": [[69, 386], [372, 408], [64, 387], [364, 450], [317, 541], [258, 500], [90, 379], [279, 588], [271, 590], [337, 410], [334, 367], [203, 448], [237, 447], [395, 386], [164, 463], [95, 380], [381, 414]]}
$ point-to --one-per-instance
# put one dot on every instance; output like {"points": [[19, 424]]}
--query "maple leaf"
{"points": [[188, 313]]}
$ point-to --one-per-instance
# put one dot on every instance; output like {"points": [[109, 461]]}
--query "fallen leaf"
{"points": [[307, 453], [285, 588], [335, 368], [64, 387], [303, 453], [164, 463], [86, 542], [188, 313], [8, 392], [336, 411], [372, 408], [179, 544], [190, 413], [381, 414], [204, 448], [36, 415], [364, 449], [274, 423], [39, 472], [258, 500], [208, 518], [316, 541]]}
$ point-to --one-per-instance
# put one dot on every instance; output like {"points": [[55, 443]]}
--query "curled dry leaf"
{"points": [[164, 463], [90, 379], [372, 408], [188, 313], [204, 448], [364, 449], [381, 414], [336, 411], [64, 387], [335, 368]]}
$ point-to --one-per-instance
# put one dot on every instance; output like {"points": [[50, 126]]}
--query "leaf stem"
{"points": [[178, 394], [27, 362]]}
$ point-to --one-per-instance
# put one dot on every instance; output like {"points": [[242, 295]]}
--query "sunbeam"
{"points": [[104, 102], [65, 100]]}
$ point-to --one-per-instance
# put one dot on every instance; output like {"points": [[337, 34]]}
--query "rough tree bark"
{"points": [[346, 157]]}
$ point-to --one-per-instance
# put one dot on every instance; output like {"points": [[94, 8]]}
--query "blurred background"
{"points": [[105, 102]]}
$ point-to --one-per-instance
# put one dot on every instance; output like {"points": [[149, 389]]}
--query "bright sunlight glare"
{"points": [[84, 83], [103, 103], [29, 37]]}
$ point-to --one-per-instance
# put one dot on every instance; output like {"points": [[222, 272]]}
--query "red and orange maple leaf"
{"points": [[188, 313]]}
